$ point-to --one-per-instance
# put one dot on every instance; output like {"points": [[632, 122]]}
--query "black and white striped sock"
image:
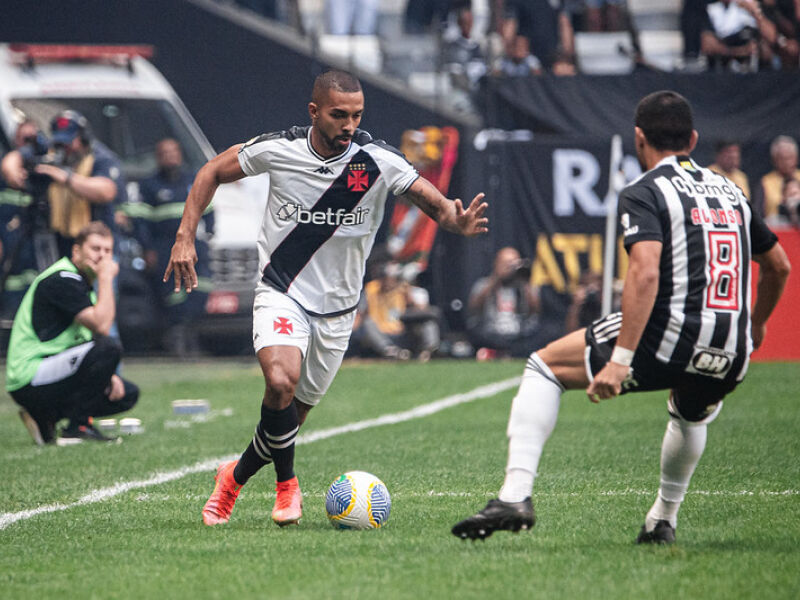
{"points": [[254, 457], [281, 427]]}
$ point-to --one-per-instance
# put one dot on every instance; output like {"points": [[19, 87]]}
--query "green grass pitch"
{"points": [[738, 531]]}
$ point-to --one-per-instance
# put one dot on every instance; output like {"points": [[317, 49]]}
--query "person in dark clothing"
{"points": [[504, 308], [22, 229], [156, 219], [687, 329]]}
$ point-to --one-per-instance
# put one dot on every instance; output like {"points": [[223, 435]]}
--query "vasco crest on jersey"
{"points": [[357, 177]]}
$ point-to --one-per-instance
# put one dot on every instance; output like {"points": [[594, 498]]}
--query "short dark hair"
{"points": [[665, 118], [334, 79], [723, 143], [92, 228]]}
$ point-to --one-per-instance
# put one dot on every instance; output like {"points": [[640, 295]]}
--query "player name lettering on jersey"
{"points": [[296, 212], [701, 189], [700, 319], [716, 216]]}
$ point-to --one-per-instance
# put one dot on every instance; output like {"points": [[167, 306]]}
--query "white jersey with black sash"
{"points": [[322, 214], [700, 322]]}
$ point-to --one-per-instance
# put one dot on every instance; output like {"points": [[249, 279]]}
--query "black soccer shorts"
{"points": [[694, 396]]}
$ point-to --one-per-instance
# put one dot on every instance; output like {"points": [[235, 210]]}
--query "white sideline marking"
{"points": [[484, 391]]}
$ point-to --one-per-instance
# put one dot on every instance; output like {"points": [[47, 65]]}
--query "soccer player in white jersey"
{"points": [[685, 325], [328, 186]]}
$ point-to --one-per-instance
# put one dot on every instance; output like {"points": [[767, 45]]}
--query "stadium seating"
{"points": [[361, 52]]}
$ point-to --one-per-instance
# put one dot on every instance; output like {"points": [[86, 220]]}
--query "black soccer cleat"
{"points": [[75, 433], [663, 533], [497, 516]]}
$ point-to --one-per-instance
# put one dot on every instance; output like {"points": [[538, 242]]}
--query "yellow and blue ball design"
{"points": [[358, 500]]}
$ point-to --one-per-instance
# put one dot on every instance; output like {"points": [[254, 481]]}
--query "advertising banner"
{"points": [[548, 198]]}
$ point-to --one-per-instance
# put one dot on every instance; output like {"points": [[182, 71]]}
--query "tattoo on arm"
{"points": [[429, 200]]}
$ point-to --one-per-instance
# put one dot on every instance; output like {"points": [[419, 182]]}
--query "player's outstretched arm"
{"points": [[638, 298], [223, 168], [450, 214], [774, 268]]}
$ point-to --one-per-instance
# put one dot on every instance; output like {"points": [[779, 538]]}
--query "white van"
{"points": [[130, 106]]}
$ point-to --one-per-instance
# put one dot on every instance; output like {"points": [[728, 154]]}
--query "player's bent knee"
{"points": [[107, 344], [280, 383], [568, 375], [697, 416], [109, 348], [536, 365]]}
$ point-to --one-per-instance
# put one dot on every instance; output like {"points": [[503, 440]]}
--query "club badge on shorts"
{"points": [[283, 326]]}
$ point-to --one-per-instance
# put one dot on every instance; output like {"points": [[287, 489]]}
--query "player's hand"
{"points": [[57, 174], [472, 221], [182, 260], [608, 382], [116, 389]]}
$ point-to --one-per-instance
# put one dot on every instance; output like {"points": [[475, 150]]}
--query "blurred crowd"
{"points": [[741, 35], [532, 37], [51, 187], [54, 182]]}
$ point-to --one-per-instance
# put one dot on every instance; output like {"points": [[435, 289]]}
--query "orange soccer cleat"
{"points": [[219, 506], [289, 503]]}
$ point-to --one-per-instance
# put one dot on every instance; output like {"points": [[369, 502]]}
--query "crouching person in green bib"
{"points": [[61, 363]]}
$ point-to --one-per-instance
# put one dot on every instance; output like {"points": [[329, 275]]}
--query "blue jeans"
{"points": [[351, 17]]}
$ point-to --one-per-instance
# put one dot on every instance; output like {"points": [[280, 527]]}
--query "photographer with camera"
{"points": [[503, 308], [77, 177], [19, 261], [586, 305], [61, 362]]}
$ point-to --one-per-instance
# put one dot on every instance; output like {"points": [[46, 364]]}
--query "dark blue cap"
{"points": [[66, 126]]}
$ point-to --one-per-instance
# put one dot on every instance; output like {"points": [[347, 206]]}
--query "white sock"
{"points": [[681, 450], [533, 417]]}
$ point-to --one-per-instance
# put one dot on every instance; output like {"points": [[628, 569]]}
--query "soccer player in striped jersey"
{"points": [[685, 326], [328, 186]]}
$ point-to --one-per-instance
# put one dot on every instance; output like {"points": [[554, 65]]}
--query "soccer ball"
{"points": [[358, 500]]}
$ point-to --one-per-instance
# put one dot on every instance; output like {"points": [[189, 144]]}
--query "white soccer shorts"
{"points": [[280, 321]]}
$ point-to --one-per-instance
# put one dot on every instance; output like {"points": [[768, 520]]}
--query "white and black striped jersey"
{"points": [[322, 214], [700, 322]]}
